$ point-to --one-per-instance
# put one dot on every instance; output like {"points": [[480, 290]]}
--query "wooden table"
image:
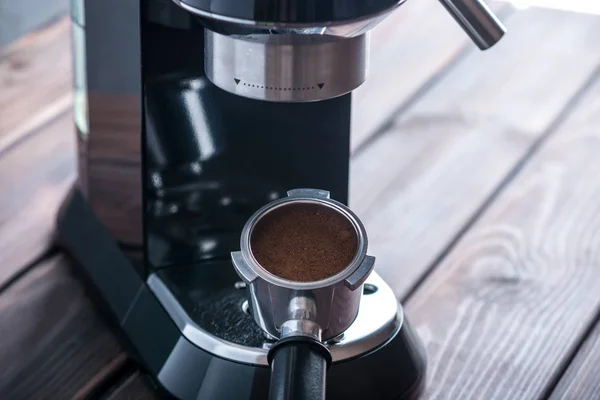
{"points": [[477, 175]]}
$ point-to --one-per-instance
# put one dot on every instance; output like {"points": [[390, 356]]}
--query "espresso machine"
{"points": [[191, 115]]}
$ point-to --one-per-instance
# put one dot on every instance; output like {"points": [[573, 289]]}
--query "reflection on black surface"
{"points": [[173, 166], [180, 128], [198, 204], [208, 295], [213, 159], [201, 222]]}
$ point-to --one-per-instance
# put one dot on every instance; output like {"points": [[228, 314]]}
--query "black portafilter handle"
{"points": [[298, 369]]}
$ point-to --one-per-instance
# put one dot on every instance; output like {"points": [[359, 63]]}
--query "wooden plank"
{"points": [[36, 175], [418, 41], [52, 339], [581, 379], [509, 305], [419, 184], [135, 387], [35, 81], [56, 345]]}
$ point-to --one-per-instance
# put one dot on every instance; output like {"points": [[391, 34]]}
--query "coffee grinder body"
{"points": [[172, 162]]}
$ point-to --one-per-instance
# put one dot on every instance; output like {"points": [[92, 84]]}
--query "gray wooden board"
{"points": [[408, 49], [34, 178], [582, 379], [35, 81], [506, 309]]}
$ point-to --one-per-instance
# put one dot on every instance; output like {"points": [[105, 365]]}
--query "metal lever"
{"points": [[478, 20]]}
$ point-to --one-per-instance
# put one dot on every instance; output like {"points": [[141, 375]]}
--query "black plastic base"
{"points": [[395, 370]]}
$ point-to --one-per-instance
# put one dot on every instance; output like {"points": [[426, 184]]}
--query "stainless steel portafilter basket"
{"points": [[303, 315], [324, 308]]}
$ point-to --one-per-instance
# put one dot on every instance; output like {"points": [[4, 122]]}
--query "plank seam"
{"points": [[111, 375], [46, 255], [568, 360], [504, 12], [385, 126], [561, 117], [48, 115]]}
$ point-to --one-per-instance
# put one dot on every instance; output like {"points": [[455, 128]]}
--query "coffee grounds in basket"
{"points": [[303, 242]]}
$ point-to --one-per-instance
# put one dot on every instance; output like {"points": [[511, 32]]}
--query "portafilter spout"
{"points": [[304, 261]]}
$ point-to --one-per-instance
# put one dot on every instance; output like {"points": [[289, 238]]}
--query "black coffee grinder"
{"points": [[191, 115]]}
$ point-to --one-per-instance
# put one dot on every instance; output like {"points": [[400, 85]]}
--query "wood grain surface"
{"points": [[114, 159], [52, 341], [413, 46], [35, 176], [35, 81], [37, 156], [134, 387], [505, 311], [582, 379], [419, 184]]}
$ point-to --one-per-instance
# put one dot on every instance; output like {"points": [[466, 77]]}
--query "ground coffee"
{"points": [[303, 242]]}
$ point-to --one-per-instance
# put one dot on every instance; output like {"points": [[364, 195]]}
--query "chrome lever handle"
{"points": [[477, 20]]}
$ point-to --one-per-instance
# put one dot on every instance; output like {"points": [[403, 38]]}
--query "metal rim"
{"points": [[251, 65], [270, 25], [359, 256]]}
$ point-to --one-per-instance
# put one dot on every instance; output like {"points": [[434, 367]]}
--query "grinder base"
{"points": [[165, 343], [393, 371], [378, 357]]}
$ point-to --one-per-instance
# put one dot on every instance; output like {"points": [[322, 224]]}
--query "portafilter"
{"points": [[304, 261]]}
